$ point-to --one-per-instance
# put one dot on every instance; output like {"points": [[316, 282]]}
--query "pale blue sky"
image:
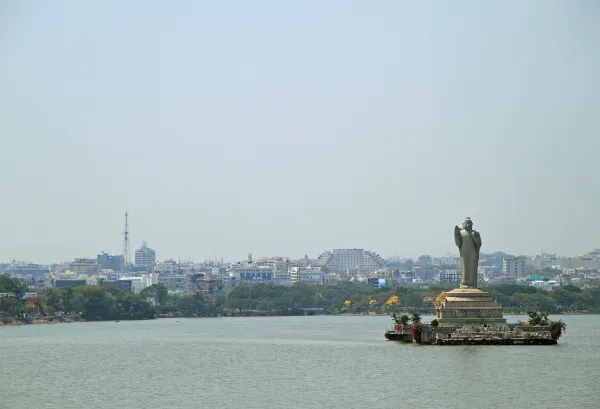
{"points": [[287, 127]]}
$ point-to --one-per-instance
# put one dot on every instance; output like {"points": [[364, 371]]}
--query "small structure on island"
{"points": [[469, 316], [468, 304]]}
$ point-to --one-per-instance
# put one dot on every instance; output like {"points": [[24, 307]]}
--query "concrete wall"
{"points": [[428, 334]]}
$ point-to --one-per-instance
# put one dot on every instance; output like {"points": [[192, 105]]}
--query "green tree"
{"points": [[538, 318], [404, 320], [557, 328], [416, 318], [12, 285], [52, 298], [68, 299], [158, 293]]}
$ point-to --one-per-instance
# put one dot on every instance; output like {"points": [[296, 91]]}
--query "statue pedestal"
{"points": [[464, 306]]}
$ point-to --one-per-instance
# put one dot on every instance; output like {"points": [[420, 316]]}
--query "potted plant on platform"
{"points": [[557, 328], [417, 327]]}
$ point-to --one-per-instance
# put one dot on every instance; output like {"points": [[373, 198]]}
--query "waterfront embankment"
{"points": [[40, 320]]}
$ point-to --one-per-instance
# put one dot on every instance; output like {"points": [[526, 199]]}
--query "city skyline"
{"points": [[276, 127], [296, 256]]}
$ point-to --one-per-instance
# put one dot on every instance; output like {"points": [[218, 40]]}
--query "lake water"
{"points": [[286, 362]]}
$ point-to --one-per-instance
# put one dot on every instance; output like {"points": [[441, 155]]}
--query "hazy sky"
{"points": [[292, 127]]}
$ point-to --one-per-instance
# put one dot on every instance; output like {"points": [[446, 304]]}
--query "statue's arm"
{"points": [[457, 236], [477, 239]]}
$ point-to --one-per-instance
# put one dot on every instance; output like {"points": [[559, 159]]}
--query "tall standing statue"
{"points": [[469, 244]]}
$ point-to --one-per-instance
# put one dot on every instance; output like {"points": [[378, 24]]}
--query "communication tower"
{"points": [[126, 255]]}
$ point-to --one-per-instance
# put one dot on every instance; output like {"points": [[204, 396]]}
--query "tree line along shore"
{"points": [[98, 303]]}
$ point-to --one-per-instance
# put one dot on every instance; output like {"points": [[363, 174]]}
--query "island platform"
{"points": [[510, 334]]}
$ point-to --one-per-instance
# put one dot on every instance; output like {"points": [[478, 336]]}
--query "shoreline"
{"points": [[10, 322]]}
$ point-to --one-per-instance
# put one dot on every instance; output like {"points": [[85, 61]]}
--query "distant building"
{"points": [[281, 270], [545, 285], [376, 282], [229, 280], [69, 283], [579, 262], [452, 277], [350, 262], [110, 262], [173, 281], [449, 277], [277, 267], [257, 276], [514, 268], [30, 297], [206, 284], [124, 285], [542, 261], [170, 267], [138, 283], [34, 270], [254, 274], [491, 273], [387, 273], [545, 261], [145, 256], [424, 275], [306, 275], [304, 261], [84, 266]]}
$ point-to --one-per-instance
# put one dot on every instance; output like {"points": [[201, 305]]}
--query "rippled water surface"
{"points": [[286, 362]]}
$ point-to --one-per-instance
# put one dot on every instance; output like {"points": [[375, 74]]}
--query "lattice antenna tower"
{"points": [[126, 255]]}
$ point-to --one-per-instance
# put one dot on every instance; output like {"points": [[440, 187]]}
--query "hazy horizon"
{"points": [[290, 128]]}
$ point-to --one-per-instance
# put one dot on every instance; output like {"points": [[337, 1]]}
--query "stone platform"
{"points": [[464, 306]]}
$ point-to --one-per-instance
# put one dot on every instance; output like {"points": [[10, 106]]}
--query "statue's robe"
{"points": [[469, 245]]}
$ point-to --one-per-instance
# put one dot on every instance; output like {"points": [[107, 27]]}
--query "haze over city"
{"points": [[285, 128]]}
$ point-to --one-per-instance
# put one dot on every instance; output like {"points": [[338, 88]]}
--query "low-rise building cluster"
{"points": [[544, 271]]}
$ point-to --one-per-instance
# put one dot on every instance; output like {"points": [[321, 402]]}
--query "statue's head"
{"points": [[468, 224]]}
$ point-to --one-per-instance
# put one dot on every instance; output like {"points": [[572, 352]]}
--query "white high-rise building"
{"points": [[145, 256], [350, 261], [307, 275], [514, 268]]}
